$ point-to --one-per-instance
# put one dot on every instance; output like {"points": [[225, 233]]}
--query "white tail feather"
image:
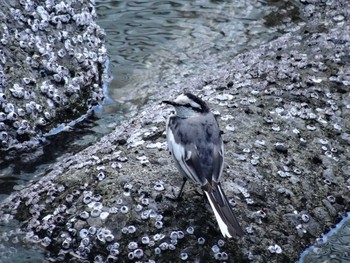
{"points": [[223, 227]]}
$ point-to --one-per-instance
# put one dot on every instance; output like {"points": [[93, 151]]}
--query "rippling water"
{"points": [[146, 38], [334, 247]]}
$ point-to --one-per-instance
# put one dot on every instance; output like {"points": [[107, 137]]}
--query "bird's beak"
{"points": [[169, 102]]}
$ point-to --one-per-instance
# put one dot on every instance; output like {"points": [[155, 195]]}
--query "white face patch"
{"points": [[184, 100]]}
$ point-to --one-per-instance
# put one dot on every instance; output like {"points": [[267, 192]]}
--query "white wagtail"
{"points": [[194, 141]]}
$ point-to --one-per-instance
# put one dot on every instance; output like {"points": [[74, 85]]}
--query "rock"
{"points": [[52, 55]]}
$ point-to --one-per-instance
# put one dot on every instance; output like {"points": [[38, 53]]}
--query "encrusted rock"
{"points": [[49, 51]]}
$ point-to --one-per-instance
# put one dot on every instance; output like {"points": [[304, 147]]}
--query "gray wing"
{"points": [[197, 147]]}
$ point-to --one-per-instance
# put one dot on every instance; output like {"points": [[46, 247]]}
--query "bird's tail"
{"points": [[227, 221]]}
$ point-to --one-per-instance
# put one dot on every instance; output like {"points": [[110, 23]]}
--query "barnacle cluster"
{"points": [[101, 220], [51, 56], [86, 224]]}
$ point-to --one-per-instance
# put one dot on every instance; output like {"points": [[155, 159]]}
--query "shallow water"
{"points": [[147, 38], [333, 247]]}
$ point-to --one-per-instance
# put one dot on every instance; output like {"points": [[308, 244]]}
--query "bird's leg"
{"points": [[178, 197], [182, 188]]}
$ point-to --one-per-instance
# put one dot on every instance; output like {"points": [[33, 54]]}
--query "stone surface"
{"points": [[284, 110], [51, 62]]}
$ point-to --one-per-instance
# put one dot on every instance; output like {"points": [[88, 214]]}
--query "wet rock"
{"points": [[49, 53]]}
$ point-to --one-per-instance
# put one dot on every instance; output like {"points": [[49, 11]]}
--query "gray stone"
{"points": [[51, 59]]}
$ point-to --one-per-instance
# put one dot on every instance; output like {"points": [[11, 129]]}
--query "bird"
{"points": [[196, 146]]}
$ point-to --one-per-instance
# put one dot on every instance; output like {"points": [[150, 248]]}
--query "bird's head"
{"points": [[188, 104]]}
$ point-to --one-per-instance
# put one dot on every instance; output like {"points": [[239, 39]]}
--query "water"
{"points": [[148, 38], [333, 247]]}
